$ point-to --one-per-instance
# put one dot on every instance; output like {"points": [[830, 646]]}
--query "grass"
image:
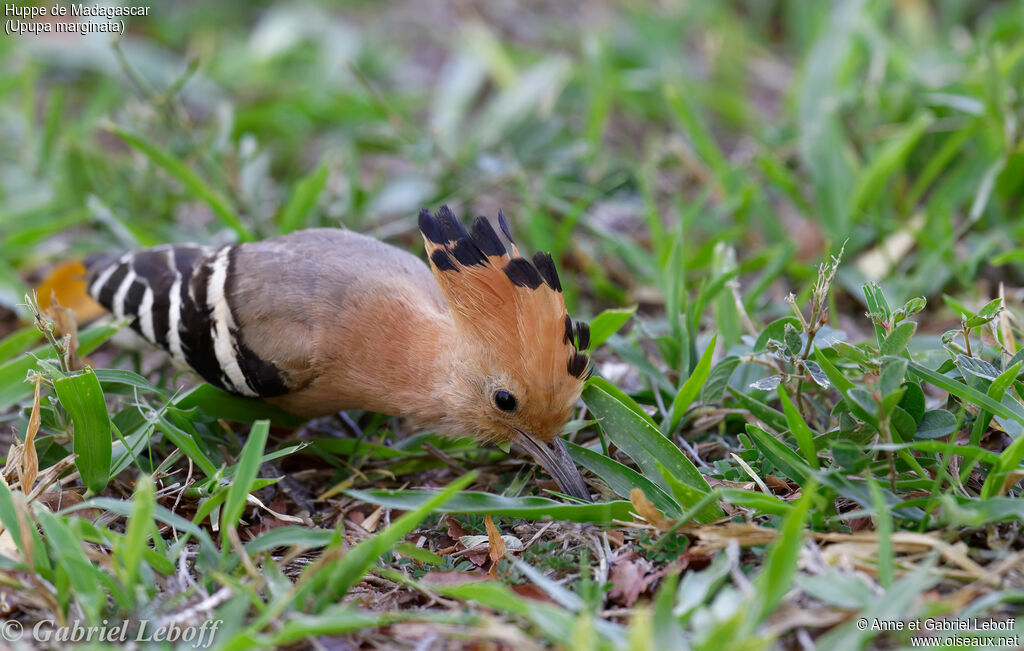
{"points": [[795, 226]]}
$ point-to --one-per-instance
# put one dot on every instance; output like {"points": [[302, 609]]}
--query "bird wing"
{"points": [[250, 318]]}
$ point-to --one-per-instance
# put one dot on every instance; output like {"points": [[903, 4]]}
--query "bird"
{"points": [[475, 342]]}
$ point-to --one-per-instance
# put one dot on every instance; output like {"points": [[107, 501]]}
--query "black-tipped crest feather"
{"points": [[443, 261], [429, 227], [451, 228], [582, 335], [546, 266], [522, 273], [485, 238], [503, 224], [578, 364]]}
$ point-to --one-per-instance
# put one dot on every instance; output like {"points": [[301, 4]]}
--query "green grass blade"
{"points": [[304, 198], [799, 429], [531, 508], [136, 535], [963, 391], [776, 576], [688, 392], [608, 323], [192, 182], [245, 474]]}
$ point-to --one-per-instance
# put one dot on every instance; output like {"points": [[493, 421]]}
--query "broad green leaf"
{"points": [[978, 513], [612, 390], [963, 391], [82, 397], [846, 388], [128, 378], [689, 498], [787, 461], [639, 438], [290, 536], [913, 400], [718, 379], [760, 502], [936, 423], [185, 442], [13, 386], [775, 330], [896, 341], [8, 514], [622, 479], [221, 404]]}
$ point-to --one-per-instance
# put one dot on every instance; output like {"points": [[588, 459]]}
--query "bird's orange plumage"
{"points": [[478, 344]]}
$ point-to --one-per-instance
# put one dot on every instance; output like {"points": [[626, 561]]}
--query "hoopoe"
{"points": [[321, 320]]}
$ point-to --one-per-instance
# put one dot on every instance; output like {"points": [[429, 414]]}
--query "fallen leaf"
{"points": [[777, 485], [28, 469], [495, 544], [372, 520], [512, 543], [628, 582], [455, 529], [531, 591], [67, 282], [57, 500], [646, 510]]}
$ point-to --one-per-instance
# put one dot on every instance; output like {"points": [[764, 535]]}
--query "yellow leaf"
{"points": [[646, 510], [67, 283], [496, 545]]}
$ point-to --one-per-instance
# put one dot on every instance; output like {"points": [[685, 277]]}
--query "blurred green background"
{"points": [[749, 137], [697, 159]]}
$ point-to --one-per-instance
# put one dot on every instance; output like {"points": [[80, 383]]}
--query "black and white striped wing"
{"points": [[180, 299]]}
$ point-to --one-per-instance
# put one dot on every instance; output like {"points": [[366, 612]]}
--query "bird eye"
{"points": [[504, 401]]}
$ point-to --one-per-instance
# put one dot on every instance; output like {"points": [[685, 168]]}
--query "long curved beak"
{"points": [[554, 458]]}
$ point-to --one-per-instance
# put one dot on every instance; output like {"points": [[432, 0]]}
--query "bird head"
{"points": [[518, 364]]}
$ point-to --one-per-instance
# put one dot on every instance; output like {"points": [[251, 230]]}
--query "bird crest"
{"points": [[511, 306]]}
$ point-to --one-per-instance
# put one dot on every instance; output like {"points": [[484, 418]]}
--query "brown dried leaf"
{"points": [[628, 582], [28, 469], [495, 545], [646, 510], [455, 529], [57, 500], [777, 485], [531, 591]]}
